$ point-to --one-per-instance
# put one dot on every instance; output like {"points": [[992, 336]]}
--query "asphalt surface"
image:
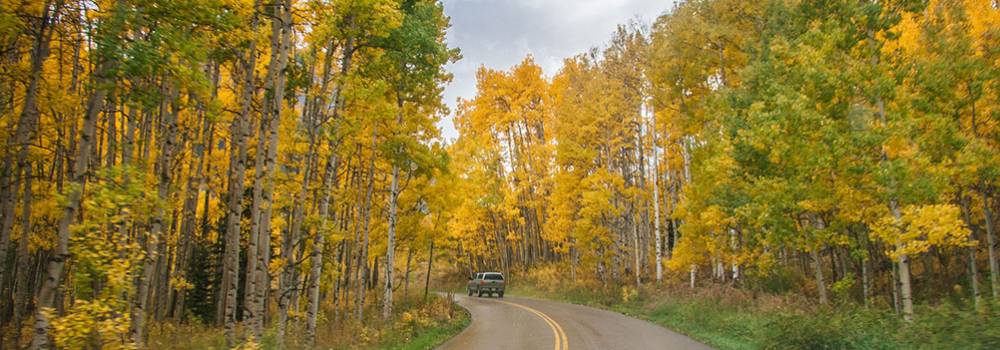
{"points": [[523, 324]]}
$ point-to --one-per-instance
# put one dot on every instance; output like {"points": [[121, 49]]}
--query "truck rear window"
{"points": [[494, 277]]}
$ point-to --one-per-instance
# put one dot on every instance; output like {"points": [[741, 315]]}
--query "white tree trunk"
{"points": [[238, 155], [656, 209], [391, 242], [905, 286], [692, 273], [991, 243], [974, 278], [27, 124], [818, 264], [865, 285], [818, 274], [637, 252], [330, 184], [57, 261], [152, 240], [258, 276], [363, 261], [735, 245]]}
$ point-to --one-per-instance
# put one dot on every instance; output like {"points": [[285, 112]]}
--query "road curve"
{"points": [[522, 323]]}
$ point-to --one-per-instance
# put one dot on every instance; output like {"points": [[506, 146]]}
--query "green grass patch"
{"points": [[430, 337], [724, 327]]}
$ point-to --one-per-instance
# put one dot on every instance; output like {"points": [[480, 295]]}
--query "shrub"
{"points": [[947, 326], [775, 281], [850, 328]]}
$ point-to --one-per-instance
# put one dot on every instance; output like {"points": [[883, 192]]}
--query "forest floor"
{"points": [[736, 319], [417, 325]]}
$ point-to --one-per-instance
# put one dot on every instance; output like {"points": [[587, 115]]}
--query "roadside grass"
{"points": [[739, 319], [417, 334], [416, 325], [724, 327]]}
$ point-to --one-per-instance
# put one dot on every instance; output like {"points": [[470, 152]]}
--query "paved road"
{"points": [[524, 324]]}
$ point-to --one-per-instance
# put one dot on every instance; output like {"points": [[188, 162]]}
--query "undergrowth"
{"points": [[416, 325]]}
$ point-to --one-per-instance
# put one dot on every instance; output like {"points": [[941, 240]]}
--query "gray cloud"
{"points": [[499, 33]]}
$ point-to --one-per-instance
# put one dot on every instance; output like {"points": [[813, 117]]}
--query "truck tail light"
{"points": [[481, 282]]}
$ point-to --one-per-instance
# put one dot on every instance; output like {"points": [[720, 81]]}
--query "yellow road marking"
{"points": [[561, 342]]}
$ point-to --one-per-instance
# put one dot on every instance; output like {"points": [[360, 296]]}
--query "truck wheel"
{"points": [[480, 294], [470, 291], [501, 295]]}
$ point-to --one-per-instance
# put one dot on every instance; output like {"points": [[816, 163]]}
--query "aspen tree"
{"points": [[240, 134], [54, 268]]}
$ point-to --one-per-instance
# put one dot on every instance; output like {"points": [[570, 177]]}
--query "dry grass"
{"points": [[417, 324]]}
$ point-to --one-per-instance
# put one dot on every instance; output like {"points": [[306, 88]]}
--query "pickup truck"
{"points": [[487, 283]]}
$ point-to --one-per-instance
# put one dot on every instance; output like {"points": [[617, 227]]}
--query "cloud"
{"points": [[499, 33]]}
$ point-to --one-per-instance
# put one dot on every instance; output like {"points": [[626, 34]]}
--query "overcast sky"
{"points": [[499, 33]]}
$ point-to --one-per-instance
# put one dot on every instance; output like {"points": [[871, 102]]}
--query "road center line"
{"points": [[562, 343]]}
